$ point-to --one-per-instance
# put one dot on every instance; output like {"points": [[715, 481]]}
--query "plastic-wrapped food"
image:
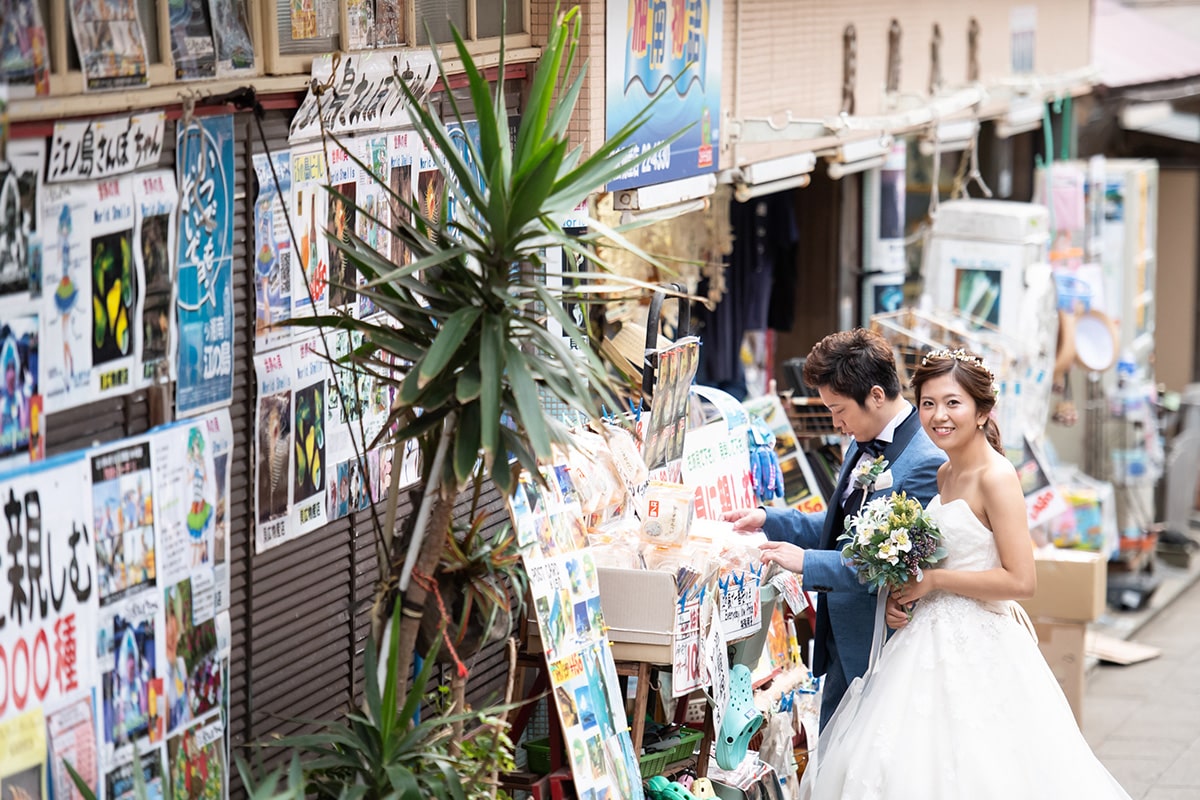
{"points": [[669, 509]]}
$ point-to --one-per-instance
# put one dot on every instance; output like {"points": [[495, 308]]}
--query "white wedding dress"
{"points": [[961, 704]]}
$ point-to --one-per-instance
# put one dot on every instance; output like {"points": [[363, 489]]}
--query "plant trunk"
{"points": [[415, 597]]}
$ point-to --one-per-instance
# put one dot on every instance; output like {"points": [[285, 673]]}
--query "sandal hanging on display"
{"points": [[742, 720]]}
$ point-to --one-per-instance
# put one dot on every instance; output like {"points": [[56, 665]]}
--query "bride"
{"points": [[961, 704]]}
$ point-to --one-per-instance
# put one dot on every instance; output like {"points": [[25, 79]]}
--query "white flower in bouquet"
{"points": [[891, 540]]}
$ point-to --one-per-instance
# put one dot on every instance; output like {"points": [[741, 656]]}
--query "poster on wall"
{"points": [[198, 769], [90, 316], [192, 47], [121, 784], [24, 55], [404, 148], [71, 731], [231, 36], [111, 44], [272, 251], [123, 520], [310, 472], [132, 711], [273, 449], [154, 241], [360, 19], [219, 430], [23, 756], [648, 45], [309, 210], [373, 225], [342, 204], [50, 609], [204, 153]]}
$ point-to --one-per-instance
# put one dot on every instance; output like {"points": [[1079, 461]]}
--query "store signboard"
{"points": [[716, 461], [671, 48]]}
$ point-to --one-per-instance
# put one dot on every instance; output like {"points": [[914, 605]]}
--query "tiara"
{"points": [[958, 354]]}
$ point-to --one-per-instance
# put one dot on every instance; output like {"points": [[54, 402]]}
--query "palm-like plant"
{"points": [[468, 316]]}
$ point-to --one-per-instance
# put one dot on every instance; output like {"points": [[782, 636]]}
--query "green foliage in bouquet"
{"points": [[891, 540]]}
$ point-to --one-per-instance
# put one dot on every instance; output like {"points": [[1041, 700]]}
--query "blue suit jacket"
{"points": [[845, 605]]}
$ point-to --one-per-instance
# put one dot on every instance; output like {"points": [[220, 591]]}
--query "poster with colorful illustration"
{"points": [[192, 47], [360, 20], [48, 600], [111, 44], [197, 762], [309, 210], [192, 667], [20, 424], [205, 294], [131, 685], [72, 734], [24, 55], [566, 596], [231, 35], [219, 429], [123, 520], [404, 148], [358, 405], [374, 222], [185, 501], [23, 756], [89, 341], [154, 241], [119, 780], [665, 46], [272, 251], [342, 204], [309, 426], [273, 450]]}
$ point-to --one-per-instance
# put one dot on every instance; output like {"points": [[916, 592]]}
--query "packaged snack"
{"points": [[669, 509]]}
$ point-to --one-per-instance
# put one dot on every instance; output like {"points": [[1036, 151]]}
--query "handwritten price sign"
{"points": [[741, 607]]}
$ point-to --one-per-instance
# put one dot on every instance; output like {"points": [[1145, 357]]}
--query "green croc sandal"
{"points": [[741, 720]]}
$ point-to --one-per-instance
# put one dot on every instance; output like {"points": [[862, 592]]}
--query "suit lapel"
{"points": [[835, 515]]}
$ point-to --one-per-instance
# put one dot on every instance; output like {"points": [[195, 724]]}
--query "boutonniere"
{"points": [[874, 475]]}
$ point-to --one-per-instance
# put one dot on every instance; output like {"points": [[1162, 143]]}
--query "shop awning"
{"points": [[1133, 47]]}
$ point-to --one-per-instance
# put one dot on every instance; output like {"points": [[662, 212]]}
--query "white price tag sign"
{"points": [[686, 673], [741, 607]]}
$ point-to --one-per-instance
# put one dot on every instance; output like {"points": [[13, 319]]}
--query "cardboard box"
{"points": [[1063, 646], [1071, 586], [639, 610]]}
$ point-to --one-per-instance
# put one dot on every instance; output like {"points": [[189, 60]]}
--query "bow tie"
{"points": [[873, 448]]}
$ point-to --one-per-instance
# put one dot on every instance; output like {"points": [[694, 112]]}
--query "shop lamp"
{"points": [[1023, 117], [950, 137], [838, 170], [748, 191]]}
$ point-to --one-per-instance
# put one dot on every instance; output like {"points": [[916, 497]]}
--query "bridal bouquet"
{"points": [[891, 540]]}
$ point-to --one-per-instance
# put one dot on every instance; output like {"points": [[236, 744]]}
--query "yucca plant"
{"points": [[467, 318]]}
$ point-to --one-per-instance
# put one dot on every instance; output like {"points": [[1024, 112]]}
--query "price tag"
{"points": [[741, 607], [793, 593], [686, 673]]}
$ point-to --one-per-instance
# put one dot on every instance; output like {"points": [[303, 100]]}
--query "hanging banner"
{"points": [[154, 242], [365, 94], [90, 342], [111, 44], [103, 148], [49, 610], [192, 47], [24, 55], [650, 42], [273, 454], [272, 251], [309, 210], [204, 153]]}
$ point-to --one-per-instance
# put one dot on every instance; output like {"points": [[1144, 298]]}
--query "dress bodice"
{"points": [[969, 544]]}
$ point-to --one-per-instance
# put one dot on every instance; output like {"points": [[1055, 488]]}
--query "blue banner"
{"points": [[649, 43], [204, 165]]}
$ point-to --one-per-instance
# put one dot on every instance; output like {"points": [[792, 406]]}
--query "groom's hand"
{"points": [[785, 554], [895, 615], [746, 520]]}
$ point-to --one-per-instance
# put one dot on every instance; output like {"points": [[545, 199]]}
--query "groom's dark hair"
{"points": [[850, 363]]}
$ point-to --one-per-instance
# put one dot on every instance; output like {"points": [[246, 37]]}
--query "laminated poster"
{"points": [[89, 347], [48, 595], [565, 588], [404, 149], [23, 756], [72, 734], [373, 225], [24, 55], [310, 472], [663, 441], [120, 783], [192, 47], [123, 511], [154, 241], [360, 21], [309, 210], [342, 206], [111, 44], [198, 769], [132, 711], [272, 251], [273, 449], [205, 293], [231, 36]]}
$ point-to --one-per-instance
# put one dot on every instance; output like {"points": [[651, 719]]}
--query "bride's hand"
{"points": [[785, 554], [912, 591]]}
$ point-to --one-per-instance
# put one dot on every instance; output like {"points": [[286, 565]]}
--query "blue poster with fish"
{"points": [[204, 168]]}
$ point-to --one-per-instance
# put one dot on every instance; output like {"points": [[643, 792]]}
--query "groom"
{"points": [[855, 375]]}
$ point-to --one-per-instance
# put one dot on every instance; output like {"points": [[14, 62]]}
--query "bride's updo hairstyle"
{"points": [[968, 371]]}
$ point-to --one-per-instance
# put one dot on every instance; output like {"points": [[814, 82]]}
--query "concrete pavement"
{"points": [[1143, 720]]}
